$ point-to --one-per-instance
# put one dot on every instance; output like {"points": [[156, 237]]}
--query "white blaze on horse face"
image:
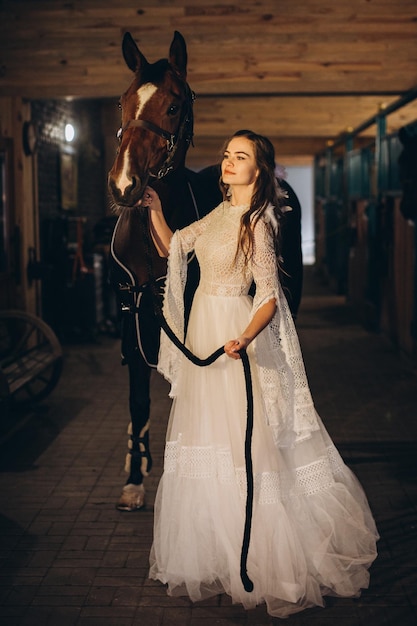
{"points": [[145, 93], [123, 179]]}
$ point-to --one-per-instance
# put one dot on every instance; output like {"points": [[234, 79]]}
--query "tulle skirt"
{"points": [[312, 531]]}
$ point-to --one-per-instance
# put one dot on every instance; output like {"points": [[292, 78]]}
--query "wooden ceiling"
{"points": [[302, 72]]}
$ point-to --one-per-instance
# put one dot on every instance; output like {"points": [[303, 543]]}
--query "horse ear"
{"points": [[133, 57], [178, 55]]}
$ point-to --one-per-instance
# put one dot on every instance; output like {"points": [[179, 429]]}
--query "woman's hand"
{"points": [[233, 346], [151, 200], [261, 319]]}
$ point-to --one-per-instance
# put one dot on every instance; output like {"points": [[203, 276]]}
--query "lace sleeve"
{"points": [[288, 404], [182, 242], [264, 265], [189, 234], [169, 358]]}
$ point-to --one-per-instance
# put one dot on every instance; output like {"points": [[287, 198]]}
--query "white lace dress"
{"points": [[312, 530]]}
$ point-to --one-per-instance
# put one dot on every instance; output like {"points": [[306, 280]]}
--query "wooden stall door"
{"points": [[404, 278], [9, 244], [358, 260]]}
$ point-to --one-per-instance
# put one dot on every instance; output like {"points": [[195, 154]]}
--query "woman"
{"points": [[312, 531]]}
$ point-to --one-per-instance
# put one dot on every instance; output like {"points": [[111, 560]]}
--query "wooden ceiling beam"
{"points": [[293, 69]]}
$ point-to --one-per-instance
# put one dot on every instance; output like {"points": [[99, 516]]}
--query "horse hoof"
{"points": [[132, 498]]}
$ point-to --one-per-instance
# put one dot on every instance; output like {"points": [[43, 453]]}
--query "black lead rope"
{"points": [[246, 581]]}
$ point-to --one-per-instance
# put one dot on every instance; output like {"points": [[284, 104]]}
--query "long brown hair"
{"points": [[266, 192]]}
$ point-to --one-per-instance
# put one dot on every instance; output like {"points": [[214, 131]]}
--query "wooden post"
{"points": [[381, 129]]}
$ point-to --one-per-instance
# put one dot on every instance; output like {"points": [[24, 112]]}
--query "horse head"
{"points": [[157, 121]]}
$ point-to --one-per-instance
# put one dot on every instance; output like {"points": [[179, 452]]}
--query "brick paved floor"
{"points": [[69, 558]]}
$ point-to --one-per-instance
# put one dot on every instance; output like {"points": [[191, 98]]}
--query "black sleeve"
{"points": [[292, 267], [208, 189]]}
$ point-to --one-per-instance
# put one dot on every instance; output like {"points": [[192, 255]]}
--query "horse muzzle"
{"points": [[131, 194]]}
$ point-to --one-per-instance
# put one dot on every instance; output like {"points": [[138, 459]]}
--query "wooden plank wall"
{"points": [[24, 210], [309, 46]]}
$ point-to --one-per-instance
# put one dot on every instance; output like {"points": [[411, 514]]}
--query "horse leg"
{"points": [[138, 459]]}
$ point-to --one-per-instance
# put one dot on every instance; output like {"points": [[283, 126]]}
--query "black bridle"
{"points": [[173, 140]]}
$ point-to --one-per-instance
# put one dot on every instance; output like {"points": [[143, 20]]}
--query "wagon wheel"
{"points": [[30, 357]]}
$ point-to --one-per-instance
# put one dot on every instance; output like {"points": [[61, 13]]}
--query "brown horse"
{"points": [[156, 132]]}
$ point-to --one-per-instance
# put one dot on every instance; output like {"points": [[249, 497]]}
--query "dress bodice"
{"points": [[224, 271]]}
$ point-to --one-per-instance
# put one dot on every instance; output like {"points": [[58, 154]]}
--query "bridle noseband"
{"points": [[184, 132], [169, 137]]}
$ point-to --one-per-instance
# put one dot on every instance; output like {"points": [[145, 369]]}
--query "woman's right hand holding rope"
{"points": [[233, 347]]}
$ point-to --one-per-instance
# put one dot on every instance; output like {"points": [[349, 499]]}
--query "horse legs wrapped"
{"points": [[138, 459]]}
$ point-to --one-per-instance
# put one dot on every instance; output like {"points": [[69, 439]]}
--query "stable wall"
{"points": [[17, 291]]}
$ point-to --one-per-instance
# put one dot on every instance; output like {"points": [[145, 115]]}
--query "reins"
{"points": [[246, 581]]}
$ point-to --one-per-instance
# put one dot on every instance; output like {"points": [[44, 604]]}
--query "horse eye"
{"points": [[173, 109]]}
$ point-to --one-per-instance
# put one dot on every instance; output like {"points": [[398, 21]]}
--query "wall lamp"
{"points": [[69, 132]]}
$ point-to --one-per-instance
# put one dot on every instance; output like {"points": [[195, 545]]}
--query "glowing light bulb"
{"points": [[69, 132]]}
